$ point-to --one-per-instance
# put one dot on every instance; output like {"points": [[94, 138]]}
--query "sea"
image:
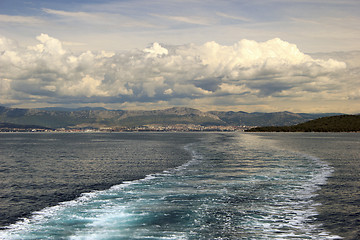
{"points": [[176, 185]]}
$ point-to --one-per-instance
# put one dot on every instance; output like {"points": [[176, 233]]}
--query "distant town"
{"points": [[145, 128]]}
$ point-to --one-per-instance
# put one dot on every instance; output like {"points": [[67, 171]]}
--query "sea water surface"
{"points": [[171, 186]]}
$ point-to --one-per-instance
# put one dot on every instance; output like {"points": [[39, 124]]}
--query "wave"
{"points": [[236, 187], [50, 222], [291, 212]]}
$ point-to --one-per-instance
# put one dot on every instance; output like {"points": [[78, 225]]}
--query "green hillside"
{"points": [[342, 123]]}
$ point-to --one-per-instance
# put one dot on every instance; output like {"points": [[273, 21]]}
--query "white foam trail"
{"points": [[24, 228], [305, 205], [123, 210]]}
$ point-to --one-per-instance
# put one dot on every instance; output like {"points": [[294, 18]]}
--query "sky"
{"points": [[259, 55]]}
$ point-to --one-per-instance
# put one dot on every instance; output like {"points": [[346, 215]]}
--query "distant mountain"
{"points": [[70, 109], [342, 123], [97, 118], [107, 118], [267, 119]]}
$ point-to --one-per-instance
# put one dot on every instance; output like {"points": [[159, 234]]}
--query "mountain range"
{"points": [[101, 117]]}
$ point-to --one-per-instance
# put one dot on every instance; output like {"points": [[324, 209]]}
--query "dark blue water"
{"points": [[173, 186]]}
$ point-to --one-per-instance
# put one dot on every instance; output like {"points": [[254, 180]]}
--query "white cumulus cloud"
{"points": [[49, 73]]}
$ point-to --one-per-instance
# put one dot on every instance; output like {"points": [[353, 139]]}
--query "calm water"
{"points": [[179, 186]]}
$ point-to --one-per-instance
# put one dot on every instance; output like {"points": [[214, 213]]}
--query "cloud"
{"points": [[7, 44], [68, 14], [105, 19], [20, 19], [155, 51], [240, 18], [48, 73], [186, 19]]}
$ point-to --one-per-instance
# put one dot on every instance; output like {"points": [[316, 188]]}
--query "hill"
{"points": [[342, 123], [106, 118], [267, 119], [98, 117]]}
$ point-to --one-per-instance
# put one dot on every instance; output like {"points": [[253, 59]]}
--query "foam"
{"points": [[25, 226], [298, 206], [125, 209]]}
